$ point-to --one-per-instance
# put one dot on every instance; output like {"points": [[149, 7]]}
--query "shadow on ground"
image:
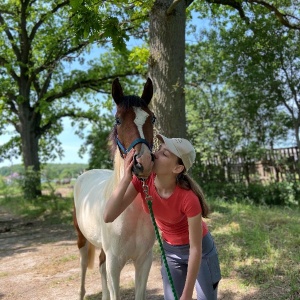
{"points": [[128, 294]]}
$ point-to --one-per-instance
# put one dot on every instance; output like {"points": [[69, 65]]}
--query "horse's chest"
{"points": [[131, 230], [131, 222]]}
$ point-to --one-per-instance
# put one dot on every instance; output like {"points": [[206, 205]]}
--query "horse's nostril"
{"points": [[137, 169]]}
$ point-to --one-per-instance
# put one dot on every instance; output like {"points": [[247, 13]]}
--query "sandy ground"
{"points": [[40, 261]]}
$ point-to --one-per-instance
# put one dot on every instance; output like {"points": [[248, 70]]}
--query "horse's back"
{"points": [[89, 202]]}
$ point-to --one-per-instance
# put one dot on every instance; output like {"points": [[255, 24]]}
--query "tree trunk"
{"points": [[166, 66], [29, 119], [29, 141]]}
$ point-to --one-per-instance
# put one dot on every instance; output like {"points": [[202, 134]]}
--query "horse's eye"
{"points": [[118, 121], [153, 119]]}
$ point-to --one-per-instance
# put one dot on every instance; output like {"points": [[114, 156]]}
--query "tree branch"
{"points": [[59, 56], [172, 6], [234, 4], [3, 62], [282, 17], [290, 84], [93, 84], [189, 2], [43, 17], [64, 114], [11, 103], [45, 85], [10, 37]]}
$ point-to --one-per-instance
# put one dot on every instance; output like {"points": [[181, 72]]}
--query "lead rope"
{"points": [[148, 198]]}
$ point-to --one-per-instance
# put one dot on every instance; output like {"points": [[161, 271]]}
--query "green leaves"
{"points": [[113, 20], [48, 75], [239, 79], [11, 149]]}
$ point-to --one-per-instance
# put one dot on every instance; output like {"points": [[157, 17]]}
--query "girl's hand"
{"points": [[128, 163]]}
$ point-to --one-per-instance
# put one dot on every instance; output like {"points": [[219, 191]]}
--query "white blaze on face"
{"points": [[140, 118], [144, 158]]}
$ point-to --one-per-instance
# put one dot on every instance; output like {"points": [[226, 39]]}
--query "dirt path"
{"points": [[40, 261]]}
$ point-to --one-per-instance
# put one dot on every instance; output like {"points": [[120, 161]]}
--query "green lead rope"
{"points": [[149, 202]]}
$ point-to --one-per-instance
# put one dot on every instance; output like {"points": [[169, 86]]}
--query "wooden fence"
{"points": [[276, 165]]}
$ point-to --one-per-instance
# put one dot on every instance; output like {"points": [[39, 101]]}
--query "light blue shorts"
{"points": [[209, 273]]}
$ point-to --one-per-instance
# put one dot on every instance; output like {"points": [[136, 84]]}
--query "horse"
{"points": [[131, 236]]}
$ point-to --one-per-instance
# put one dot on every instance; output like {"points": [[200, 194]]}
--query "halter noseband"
{"points": [[123, 150]]}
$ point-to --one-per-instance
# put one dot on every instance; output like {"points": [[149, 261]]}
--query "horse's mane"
{"points": [[116, 177], [127, 103]]}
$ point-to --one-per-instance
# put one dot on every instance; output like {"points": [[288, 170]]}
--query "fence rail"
{"points": [[276, 165]]}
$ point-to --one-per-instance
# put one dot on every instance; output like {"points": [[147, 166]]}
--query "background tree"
{"points": [[97, 143], [241, 85], [36, 45], [40, 84], [285, 12], [167, 22], [230, 87], [264, 71]]}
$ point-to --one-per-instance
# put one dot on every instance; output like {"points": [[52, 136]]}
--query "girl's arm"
{"points": [[195, 236], [123, 195]]}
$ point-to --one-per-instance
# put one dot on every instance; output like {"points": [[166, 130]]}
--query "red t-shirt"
{"points": [[171, 214]]}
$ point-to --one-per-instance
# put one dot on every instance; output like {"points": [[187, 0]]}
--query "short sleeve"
{"points": [[191, 205]]}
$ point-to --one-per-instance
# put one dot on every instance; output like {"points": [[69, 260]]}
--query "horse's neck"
{"points": [[117, 175], [118, 169]]}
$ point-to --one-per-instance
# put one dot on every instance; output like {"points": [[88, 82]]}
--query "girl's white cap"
{"points": [[181, 148]]}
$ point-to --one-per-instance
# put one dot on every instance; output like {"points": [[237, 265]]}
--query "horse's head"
{"points": [[134, 126]]}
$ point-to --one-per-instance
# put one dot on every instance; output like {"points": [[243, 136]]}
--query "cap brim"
{"points": [[169, 144]]}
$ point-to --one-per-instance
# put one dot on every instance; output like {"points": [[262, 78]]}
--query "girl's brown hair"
{"points": [[186, 182]]}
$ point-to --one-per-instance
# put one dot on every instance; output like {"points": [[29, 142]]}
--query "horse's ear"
{"points": [[148, 91], [117, 91]]}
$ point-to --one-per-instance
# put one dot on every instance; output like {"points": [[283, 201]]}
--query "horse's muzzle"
{"points": [[138, 169]]}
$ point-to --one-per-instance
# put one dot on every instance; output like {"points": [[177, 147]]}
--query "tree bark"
{"points": [[30, 146], [166, 66]]}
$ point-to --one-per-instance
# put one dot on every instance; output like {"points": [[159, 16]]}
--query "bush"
{"points": [[283, 193], [30, 184], [276, 193], [8, 190]]}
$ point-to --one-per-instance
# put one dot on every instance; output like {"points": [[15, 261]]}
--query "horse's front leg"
{"points": [[102, 269], [83, 268], [142, 269], [113, 271]]}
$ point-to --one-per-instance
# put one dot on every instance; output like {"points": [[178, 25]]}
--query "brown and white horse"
{"points": [[131, 235]]}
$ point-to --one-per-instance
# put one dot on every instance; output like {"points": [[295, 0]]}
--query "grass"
{"points": [[48, 208], [259, 246]]}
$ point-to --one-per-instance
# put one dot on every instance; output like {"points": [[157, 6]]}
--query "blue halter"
{"points": [[123, 150]]}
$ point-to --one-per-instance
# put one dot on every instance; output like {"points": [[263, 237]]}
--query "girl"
{"points": [[178, 205]]}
